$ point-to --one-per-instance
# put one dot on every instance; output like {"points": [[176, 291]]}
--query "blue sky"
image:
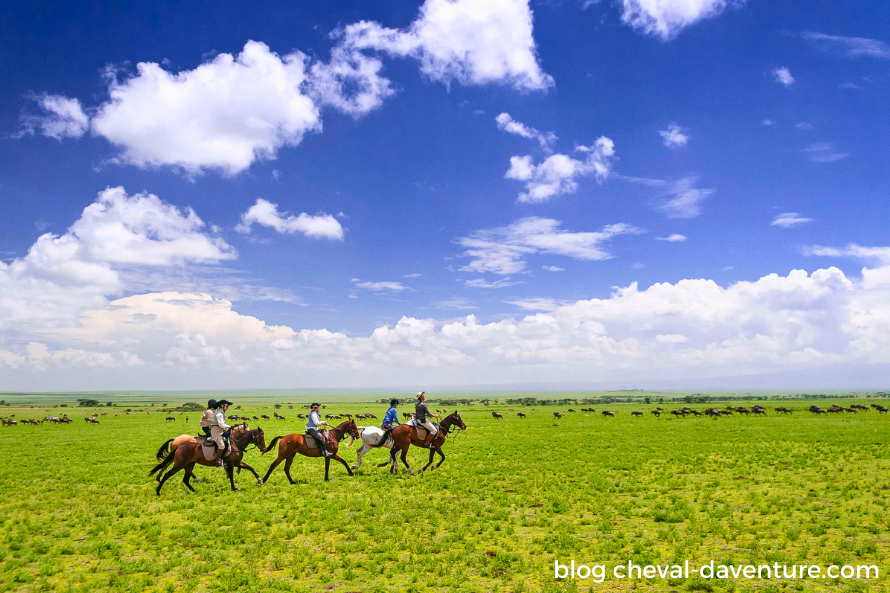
{"points": [[320, 194]]}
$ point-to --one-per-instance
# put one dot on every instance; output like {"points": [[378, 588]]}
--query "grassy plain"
{"points": [[79, 513]]}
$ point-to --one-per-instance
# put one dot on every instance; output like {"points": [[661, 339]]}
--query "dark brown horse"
{"points": [[404, 436], [186, 455], [292, 444]]}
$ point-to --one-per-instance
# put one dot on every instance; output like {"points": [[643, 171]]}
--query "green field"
{"points": [[78, 511]]}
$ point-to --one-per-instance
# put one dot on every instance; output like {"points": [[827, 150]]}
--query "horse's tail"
{"points": [[163, 463], [270, 445], [164, 450], [383, 437]]}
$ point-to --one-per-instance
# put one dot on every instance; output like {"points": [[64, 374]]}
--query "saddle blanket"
{"points": [[421, 431], [310, 441], [209, 451]]}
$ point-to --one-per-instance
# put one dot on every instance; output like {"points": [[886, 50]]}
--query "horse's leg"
{"points": [[287, 465], [271, 467], [251, 470], [189, 475], [346, 465], [327, 467], [442, 455], [361, 453], [230, 470], [166, 477], [430, 462], [404, 457]]}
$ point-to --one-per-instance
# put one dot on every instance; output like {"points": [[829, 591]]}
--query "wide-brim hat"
{"points": [[420, 393], [223, 402], [211, 403]]}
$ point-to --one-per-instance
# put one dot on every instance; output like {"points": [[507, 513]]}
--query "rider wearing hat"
{"points": [[207, 416], [421, 415], [218, 427], [312, 427], [391, 419]]}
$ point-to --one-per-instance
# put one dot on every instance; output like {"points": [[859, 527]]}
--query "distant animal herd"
{"points": [[756, 410]]}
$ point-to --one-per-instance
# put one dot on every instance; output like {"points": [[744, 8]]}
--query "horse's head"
{"points": [[260, 439], [351, 429], [455, 419]]}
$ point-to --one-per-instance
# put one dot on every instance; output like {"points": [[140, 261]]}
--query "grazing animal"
{"points": [[571, 410], [186, 455], [403, 436], [495, 415], [656, 413], [557, 414], [292, 444], [521, 414], [635, 413], [171, 418], [608, 413]]}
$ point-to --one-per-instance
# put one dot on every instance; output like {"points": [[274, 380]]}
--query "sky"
{"points": [[446, 193]]}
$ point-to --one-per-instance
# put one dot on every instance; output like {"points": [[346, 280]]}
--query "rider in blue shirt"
{"points": [[312, 428], [391, 420]]}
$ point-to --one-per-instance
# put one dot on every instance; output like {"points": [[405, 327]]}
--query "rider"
{"points": [[391, 420], [207, 416], [421, 413], [312, 427], [218, 427]]}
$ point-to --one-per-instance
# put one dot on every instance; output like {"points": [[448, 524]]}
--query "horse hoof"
{"points": [[236, 489], [260, 481]]}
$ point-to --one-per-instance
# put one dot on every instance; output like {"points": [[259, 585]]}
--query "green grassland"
{"points": [[78, 511]]}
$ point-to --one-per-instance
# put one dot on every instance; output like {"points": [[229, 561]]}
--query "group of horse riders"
{"points": [[213, 422]]}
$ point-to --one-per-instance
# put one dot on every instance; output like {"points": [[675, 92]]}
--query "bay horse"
{"points": [[292, 444], [405, 435], [186, 455]]}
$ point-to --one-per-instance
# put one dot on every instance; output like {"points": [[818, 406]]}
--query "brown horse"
{"points": [[292, 444], [404, 436], [188, 454]]}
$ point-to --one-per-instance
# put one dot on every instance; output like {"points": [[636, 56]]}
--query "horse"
{"points": [[405, 435], [189, 453], [292, 444]]}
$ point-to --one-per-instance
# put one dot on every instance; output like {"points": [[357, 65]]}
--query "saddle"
{"points": [[209, 448], [311, 442], [421, 431]]}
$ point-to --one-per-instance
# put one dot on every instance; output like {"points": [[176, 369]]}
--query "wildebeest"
{"points": [[636, 413], [495, 415], [521, 414], [656, 413], [557, 414], [608, 413], [169, 418]]}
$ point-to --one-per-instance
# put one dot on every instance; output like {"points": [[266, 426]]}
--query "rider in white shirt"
{"points": [[312, 427]]}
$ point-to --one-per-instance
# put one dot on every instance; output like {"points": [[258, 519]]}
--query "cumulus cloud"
{"points": [[266, 214], [60, 118], [674, 238], [473, 43], [511, 126], [783, 77], [503, 250], [483, 283], [673, 136], [558, 173], [768, 122], [851, 47], [823, 152], [691, 328], [62, 275], [666, 18], [685, 200], [803, 125], [789, 219], [553, 269]]}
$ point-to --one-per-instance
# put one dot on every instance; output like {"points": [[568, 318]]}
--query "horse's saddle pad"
{"points": [[310, 441], [421, 431], [209, 451]]}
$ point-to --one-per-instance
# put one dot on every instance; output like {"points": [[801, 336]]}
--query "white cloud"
{"points": [[553, 269], [803, 126], [558, 172], [686, 200], [471, 42], [511, 126], [502, 250], [783, 77], [350, 82], [768, 122], [789, 219], [666, 18], [851, 47], [823, 152], [482, 283], [224, 114], [674, 238], [673, 136], [64, 274], [415, 275], [380, 286], [266, 213], [456, 304], [61, 118], [538, 304]]}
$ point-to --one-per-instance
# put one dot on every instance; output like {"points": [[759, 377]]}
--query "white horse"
{"points": [[371, 435]]}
